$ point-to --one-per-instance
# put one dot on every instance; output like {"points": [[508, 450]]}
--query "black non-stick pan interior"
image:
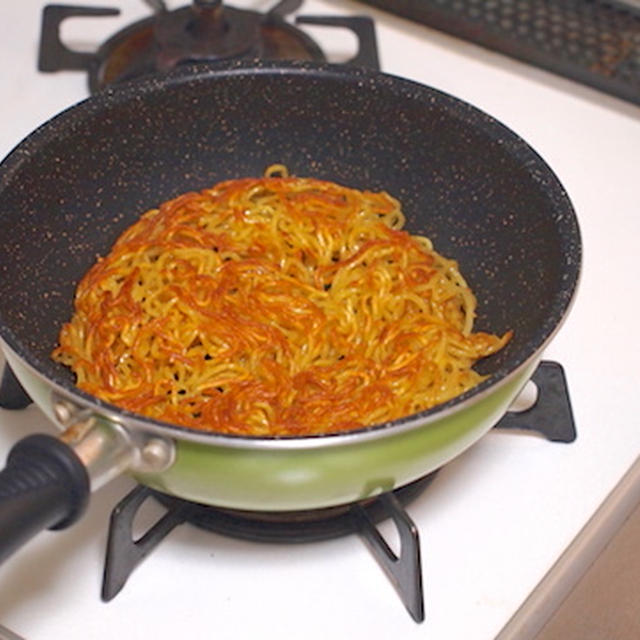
{"points": [[481, 194]]}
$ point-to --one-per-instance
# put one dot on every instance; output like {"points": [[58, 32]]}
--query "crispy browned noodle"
{"points": [[274, 305]]}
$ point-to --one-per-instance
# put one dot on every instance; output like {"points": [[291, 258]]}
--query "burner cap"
{"points": [[202, 32], [205, 31]]}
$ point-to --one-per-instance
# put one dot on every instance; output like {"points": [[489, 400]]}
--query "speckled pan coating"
{"points": [[473, 186]]}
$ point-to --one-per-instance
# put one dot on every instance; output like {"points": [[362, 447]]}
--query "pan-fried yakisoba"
{"points": [[274, 306]]}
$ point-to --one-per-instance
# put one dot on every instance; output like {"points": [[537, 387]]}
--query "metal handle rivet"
{"points": [[156, 454]]}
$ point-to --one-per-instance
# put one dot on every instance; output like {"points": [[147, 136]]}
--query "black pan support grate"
{"points": [[551, 416], [167, 38], [124, 553], [594, 42]]}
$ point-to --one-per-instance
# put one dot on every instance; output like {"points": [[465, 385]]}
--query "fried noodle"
{"points": [[274, 306]]}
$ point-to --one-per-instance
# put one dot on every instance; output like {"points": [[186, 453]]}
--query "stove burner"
{"points": [[205, 31], [551, 415], [124, 553], [288, 526]]}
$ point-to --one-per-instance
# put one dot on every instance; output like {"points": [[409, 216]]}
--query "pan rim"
{"points": [[536, 167]]}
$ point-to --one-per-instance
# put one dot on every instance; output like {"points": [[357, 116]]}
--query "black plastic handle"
{"points": [[44, 486]]}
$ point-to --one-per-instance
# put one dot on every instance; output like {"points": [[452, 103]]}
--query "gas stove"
{"points": [[494, 521], [204, 31]]}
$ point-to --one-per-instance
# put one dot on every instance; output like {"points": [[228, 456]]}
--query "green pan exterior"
{"points": [[291, 477], [308, 478]]}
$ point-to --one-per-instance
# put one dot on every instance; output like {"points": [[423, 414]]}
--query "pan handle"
{"points": [[44, 486], [47, 481]]}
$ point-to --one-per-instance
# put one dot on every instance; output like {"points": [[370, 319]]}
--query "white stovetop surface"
{"points": [[493, 521]]}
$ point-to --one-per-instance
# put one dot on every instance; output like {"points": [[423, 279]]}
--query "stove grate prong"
{"points": [[124, 553], [12, 393], [551, 415], [403, 570], [364, 29]]}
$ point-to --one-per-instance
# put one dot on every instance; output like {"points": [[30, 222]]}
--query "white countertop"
{"points": [[495, 520]]}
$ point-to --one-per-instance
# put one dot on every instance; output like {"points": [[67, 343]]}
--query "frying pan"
{"points": [[68, 190]]}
